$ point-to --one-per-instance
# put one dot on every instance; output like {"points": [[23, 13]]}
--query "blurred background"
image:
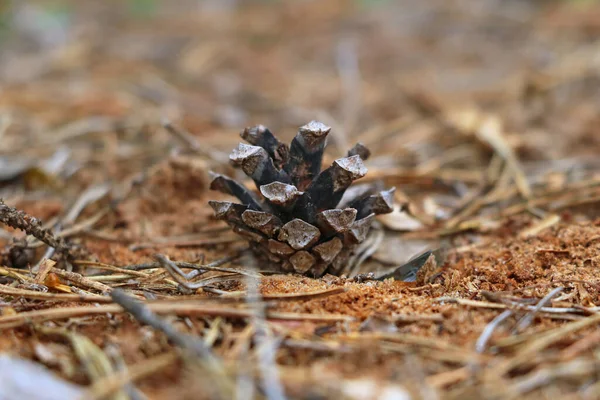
{"points": [[219, 65]]}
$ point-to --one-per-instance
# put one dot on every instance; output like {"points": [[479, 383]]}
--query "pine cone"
{"points": [[295, 224]]}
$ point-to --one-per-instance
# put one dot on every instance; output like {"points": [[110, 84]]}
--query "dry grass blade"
{"points": [[241, 296], [545, 223], [448, 378], [404, 338], [490, 132], [183, 279], [586, 343], [108, 267], [213, 266], [266, 347]]}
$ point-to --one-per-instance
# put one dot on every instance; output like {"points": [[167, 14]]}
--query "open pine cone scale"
{"points": [[294, 222]]}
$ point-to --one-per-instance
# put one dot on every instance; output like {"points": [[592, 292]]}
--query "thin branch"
{"points": [[19, 219]]}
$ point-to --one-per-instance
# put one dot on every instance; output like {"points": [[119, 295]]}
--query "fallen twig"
{"points": [[19, 219], [81, 280]]}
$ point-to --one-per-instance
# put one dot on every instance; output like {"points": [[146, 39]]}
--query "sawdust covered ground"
{"points": [[418, 83]]}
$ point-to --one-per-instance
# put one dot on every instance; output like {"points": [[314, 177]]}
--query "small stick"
{"points": [[19, 219], [88, 196], [115, 356], [242, 296], [81, 280], [213, 266], [15, 275], [535, 229], [108, 267], [84, 225], [45, 266], [183, 279]]}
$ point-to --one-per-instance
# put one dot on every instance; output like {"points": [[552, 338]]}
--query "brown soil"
{"points": [[430, 74]]}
